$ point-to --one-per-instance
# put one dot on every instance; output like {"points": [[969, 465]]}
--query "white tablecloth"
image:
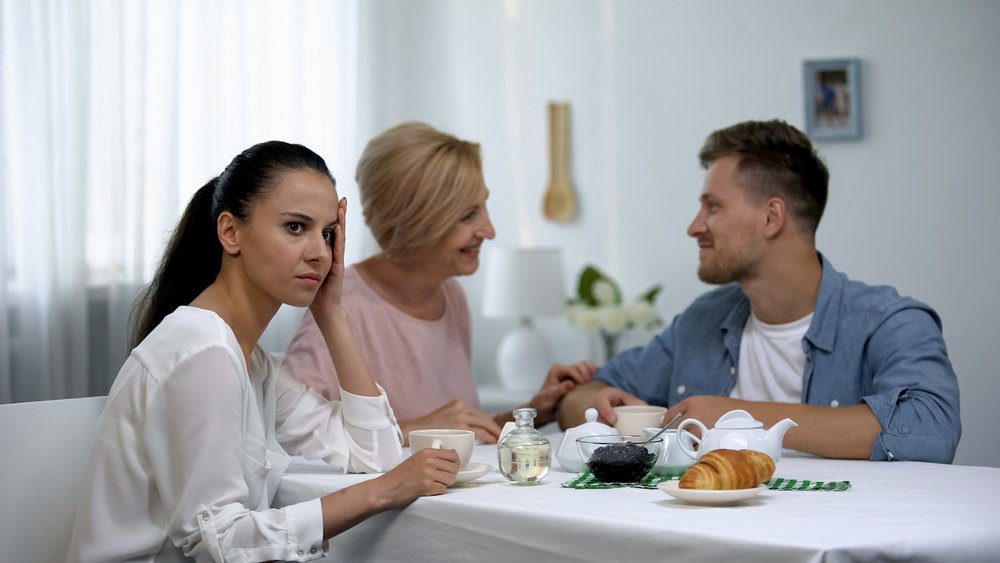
{"points": [[894, 511]]}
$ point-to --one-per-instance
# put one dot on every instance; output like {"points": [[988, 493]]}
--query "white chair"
{"points": [[45, 450]]}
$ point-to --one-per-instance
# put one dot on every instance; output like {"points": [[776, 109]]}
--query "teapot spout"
{"points": [[776, 434]]}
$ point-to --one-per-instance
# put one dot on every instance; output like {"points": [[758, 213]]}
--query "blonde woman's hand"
{"points": [[561, 379], [580, 372], [456, 414]]}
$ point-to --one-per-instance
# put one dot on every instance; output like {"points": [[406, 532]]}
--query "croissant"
{"points": [[763, 464], [729, 469]]}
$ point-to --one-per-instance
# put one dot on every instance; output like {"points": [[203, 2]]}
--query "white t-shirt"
{"points": [[772, 361], [191, 447]]}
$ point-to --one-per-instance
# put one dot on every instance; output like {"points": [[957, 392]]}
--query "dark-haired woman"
{"points": [[200, 422]]}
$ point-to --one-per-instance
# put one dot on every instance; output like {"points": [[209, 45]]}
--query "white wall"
{"points": [[912, 205]]}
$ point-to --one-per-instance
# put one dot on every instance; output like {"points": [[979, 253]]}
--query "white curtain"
{"points": [[112, 113]]}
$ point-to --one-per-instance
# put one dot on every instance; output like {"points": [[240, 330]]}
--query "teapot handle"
{"points": [[686, 444], [688, 438]]}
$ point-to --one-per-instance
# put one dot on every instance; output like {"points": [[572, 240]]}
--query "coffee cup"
{"points": [[461, 441], [633, 418], [673, 461]]}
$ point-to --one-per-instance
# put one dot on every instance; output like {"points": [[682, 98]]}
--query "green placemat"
{"points": [[782, 484], [586, 480]]}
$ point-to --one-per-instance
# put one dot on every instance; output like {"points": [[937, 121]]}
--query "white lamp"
{"points": [[521, 283]]}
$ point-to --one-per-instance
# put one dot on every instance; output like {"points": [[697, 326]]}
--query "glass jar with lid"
{"points": [[524, 454]]}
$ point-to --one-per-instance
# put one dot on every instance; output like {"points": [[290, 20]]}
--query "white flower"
{"points": [[586, 318], [612, 319], [642, 313], [604, 293], [572, 310], [598, 307]]}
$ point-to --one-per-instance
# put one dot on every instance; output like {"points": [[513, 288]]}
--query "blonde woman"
{"points": [[424, 199]]}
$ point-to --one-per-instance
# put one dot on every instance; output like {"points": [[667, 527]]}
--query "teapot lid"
{"points": [[738, 419], [740, 424], [591, 427]]}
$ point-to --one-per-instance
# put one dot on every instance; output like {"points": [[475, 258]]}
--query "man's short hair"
{"points": [[775, 160]]}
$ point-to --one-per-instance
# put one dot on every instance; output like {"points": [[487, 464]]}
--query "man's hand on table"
{"points": [[705, 408], [596, 394]]}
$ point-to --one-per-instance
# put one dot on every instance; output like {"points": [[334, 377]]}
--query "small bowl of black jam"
{"points": [[619, 459]]}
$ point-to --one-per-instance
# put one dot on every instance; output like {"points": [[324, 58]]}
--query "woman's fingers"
{"points": [[487, 433], [580, 372], [340, 232], [436, 469], [457, 414]]}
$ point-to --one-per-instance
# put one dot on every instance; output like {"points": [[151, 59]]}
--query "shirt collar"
{"points": [[823, 331]]}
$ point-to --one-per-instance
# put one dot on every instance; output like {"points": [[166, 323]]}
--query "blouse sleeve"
{"points": [[193, 430], [308, 359], [355, 434]]}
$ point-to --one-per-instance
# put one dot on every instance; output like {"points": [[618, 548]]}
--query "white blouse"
{"points": [[191, 448]]}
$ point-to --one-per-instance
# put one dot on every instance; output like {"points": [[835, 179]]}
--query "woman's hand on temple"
{"points": [[328, 296]]}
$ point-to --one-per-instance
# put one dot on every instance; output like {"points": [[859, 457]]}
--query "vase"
{"points": [[604, 346]]}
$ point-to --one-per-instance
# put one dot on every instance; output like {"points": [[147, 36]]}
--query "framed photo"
{"points": [[833, 99]]}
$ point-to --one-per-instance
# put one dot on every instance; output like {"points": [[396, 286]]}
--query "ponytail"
{"points": [[190, 263]]}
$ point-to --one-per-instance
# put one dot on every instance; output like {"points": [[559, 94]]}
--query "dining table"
{"points": [[877, 511]]}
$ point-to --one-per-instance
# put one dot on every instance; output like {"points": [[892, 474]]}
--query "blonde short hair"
{"points": [[416, 183]]}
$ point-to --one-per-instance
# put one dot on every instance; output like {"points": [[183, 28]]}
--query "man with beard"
{"points": [[862, 370]]}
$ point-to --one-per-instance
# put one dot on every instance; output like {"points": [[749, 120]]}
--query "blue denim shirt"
{"points": [[865, 343]]}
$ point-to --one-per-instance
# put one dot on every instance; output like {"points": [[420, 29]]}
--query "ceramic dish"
{"points": [[472, 472], [709, 498]]}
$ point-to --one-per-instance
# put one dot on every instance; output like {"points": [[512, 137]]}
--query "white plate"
{"points": [[473, 471], [709, 498]]}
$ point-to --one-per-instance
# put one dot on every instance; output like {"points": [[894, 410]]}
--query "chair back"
{"points": [[44, 454]]}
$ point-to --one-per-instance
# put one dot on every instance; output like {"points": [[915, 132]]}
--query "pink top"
{"points": [[421, 364]]}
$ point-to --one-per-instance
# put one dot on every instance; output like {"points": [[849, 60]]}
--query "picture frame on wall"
{"points": [[833, 99]]}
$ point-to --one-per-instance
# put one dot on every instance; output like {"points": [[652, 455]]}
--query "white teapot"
{"points": [[568, 455], [737, 430]]}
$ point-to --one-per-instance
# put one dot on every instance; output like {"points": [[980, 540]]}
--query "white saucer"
{"points": [[473, 471], [709, 498]]}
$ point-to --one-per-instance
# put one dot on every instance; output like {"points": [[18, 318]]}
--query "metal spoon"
{"points": [[662, 430]]}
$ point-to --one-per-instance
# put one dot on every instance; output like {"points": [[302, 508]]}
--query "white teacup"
{"points": [[674, 461], [633, 418], [448, 439]]}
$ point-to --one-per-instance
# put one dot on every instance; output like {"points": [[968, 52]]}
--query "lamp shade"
{"points": [[523, 282]]}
